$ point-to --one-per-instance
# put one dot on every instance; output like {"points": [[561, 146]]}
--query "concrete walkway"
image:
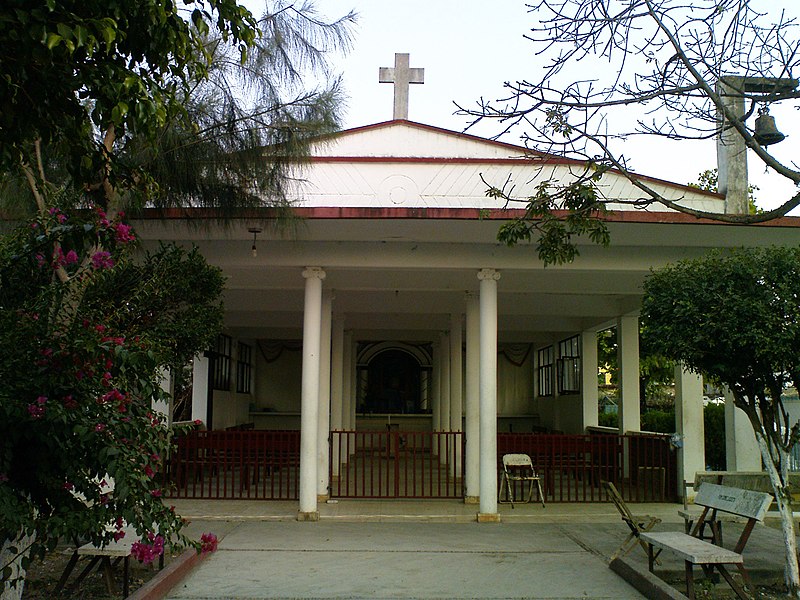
{"points": [[427, 549]]}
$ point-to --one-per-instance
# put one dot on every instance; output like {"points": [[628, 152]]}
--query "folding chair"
{"points": [[637, 524], [518, 467]]}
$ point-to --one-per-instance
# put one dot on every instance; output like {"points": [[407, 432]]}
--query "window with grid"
{"points": [[244, 368], [569, 366], [222, 363], [544, 367]]}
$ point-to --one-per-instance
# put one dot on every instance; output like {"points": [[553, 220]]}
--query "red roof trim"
{"points": [[456, 214]]}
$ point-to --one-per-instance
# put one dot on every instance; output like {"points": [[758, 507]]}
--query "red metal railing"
{"points": [[642, 466], [396, 464], [264, 465], [259, 465]]}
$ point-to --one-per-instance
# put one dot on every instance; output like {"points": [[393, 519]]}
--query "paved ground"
{"points": [[433, 549]]}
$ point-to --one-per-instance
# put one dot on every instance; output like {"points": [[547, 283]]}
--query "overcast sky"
{"points": [[468, 49]]}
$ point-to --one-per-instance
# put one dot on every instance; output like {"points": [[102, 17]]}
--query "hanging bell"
{"points": [[766, 133]]}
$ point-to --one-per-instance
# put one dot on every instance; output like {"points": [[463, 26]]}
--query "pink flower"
{"points": [[148, 470], [100, 427], [124, 234], [36, 410], [102, 260], [70, 402], [208, 543], [68, 486], [119, 535], [40, 260], [147, 553], [155, 493], [71, 258]]}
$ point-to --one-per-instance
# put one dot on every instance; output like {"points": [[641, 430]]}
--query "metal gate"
{"points": [[396, 464]]}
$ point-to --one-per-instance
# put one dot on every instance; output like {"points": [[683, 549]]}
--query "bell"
{"points": [[766, 133]]}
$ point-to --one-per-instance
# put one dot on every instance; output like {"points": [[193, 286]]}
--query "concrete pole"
{"points": [[741, 448], [456, 399], [337, 381], [689, 424], [324, 415], [472, 429], [309, 394], [731, 149], [445, 402], [589, 378], [628, 360], [488, 395]]}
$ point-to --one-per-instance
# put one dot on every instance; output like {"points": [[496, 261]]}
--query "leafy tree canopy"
{"points": [[735, 316]]}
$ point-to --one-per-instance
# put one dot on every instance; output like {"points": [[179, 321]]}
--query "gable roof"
{"points": [[406, 164]]}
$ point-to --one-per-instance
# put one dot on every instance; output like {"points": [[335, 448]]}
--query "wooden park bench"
{"points": [[714, 498], [101, 557]]}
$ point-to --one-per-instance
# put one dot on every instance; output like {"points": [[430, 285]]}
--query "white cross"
{"points": [[401, 75]]}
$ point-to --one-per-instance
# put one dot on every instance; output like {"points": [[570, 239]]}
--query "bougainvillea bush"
{"points": [[88, 325]]}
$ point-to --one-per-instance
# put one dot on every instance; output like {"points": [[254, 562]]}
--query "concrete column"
{"points": [[337, 381], [445, 401], [347, 380], [689, 425], [352, 393], [488, 395], [628, 360], [436, 389], [472, 427], [324, 416], [200, 372], [456, 398], [589, 378], [741, 448], [161, 406], [731, 149], [309, 394]]}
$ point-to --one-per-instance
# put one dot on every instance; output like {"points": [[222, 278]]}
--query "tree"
{"points": [[104, 108], [81, 358], [679, 68], [735, 316]]}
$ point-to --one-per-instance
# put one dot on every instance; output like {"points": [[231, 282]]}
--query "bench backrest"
{"points": [[745, 503]]}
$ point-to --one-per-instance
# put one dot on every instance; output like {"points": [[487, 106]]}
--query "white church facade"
{"points": [[391, 307]]}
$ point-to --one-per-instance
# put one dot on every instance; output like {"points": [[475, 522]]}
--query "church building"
{"points": [[389, 336]]}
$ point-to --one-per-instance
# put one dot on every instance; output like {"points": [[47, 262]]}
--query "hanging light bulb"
{"points": [[255, 231]]}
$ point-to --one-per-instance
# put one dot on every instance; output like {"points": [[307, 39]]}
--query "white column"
{"points": [[436, 387], [352, 391], [337, 381], [472, 428], [161, 406], [444, 402], [689, 425], [347, 380], [589, 378], [456, 399], [628, 360], [309, 394], [741, 448], [324, 415], [200, 371], [488, 394]]}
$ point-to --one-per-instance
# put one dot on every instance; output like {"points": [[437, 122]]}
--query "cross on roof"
{"points": [[401, 75]]}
